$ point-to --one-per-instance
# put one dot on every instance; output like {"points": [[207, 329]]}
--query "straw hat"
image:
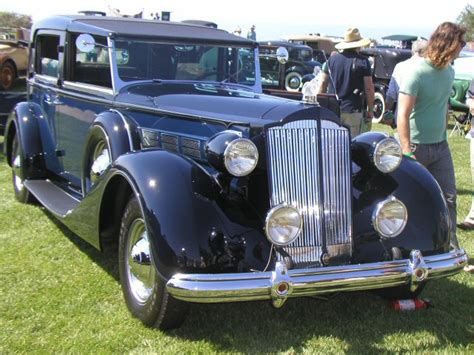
{"points": [[352, 39]]}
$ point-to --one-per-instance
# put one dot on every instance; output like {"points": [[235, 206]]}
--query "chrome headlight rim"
{"points": [[380, 145], [380, 206], [268, 218], [227, 158]]}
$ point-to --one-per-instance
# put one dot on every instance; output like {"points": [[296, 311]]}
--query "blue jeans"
{"points": [[437, 159]]}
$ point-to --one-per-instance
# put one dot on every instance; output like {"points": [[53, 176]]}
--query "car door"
{"points": [[43, 86], [85, 92]]}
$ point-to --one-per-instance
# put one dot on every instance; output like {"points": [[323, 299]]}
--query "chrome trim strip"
{"points": [[49, 79], [96, 99], [127, 128], [251, 286], [88, 87]]}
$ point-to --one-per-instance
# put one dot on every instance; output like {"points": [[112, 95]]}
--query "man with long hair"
{"points": [[422, 111]]}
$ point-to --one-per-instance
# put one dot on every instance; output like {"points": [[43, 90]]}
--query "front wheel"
{"points": [[143, 288]]}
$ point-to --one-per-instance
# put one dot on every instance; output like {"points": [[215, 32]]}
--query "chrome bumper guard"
{"points": [[281, 284]]}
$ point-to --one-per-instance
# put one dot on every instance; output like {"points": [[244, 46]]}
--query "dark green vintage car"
{"points": [[464, 73]]}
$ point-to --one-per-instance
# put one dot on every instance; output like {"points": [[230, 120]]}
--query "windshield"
{"points": [[147, 60]]}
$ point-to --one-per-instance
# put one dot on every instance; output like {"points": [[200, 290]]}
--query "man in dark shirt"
{"points": [[351, 75]]}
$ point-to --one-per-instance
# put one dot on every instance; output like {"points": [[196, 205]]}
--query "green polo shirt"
{"points": [[432, 88]]}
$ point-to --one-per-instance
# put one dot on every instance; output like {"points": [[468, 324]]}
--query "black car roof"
{"points": [[400, 37], [131, 27], [283, 44]]}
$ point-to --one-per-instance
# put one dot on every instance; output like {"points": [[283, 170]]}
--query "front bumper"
{"points": [[282, 283]]}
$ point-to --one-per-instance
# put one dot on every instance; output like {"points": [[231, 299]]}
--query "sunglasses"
{"points": [[463, 44]]}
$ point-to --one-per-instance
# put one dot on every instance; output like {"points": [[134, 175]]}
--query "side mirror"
{"points": [[282, 55], [85, 43]]}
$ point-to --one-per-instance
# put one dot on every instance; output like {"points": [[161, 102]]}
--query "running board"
{"points": [[52, 197]]}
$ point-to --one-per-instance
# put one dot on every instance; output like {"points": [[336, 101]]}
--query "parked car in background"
{"points": [[401, 41], [8, 100], [383, 61], [156, 135], [463, 74], [13, 56], [322, 46], [288, 76]]}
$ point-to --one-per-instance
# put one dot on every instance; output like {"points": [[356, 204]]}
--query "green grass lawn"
{"points": [[58, 294]]}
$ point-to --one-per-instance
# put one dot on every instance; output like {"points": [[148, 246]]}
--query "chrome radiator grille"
{"points": [[310, 169]]}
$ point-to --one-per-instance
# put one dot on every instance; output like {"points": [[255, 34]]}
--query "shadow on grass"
{"points": [[107, 260], [461, 192], [361, 322]]}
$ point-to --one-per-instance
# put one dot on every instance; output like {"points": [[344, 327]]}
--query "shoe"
{"points": [[469, 268], [466, 225]]}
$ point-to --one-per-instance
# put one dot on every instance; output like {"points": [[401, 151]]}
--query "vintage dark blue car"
{"points": [[156, 135]]}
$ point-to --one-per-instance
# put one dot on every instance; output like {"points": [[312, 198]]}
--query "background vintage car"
{"points": [[322, 46], [383, 60], [156, 136], [13, 56], [288, 76], [464, 73]]}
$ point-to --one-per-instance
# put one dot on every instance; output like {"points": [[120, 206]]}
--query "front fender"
{"points": [[427, 227], [186, 216]]}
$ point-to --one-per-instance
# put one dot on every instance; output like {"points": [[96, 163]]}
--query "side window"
{"points": [[269, 70], [47, 57], [92, 67]]}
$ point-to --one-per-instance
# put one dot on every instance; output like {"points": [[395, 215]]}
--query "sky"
{"points": [[277, 18]]}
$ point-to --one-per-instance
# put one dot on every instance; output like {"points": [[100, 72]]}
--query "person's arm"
{"points": [[405, 107], [369, 94], [323, 86]]}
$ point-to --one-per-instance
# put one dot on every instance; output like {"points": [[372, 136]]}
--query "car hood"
{"points": [[222, 101]]}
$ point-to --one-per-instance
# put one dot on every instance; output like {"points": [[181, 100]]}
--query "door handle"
{"points": [[52, 100]]}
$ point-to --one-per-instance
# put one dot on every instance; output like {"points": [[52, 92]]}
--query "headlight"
{"points": [[390, 217], [387, 155], [240, 157], [283, 225]]}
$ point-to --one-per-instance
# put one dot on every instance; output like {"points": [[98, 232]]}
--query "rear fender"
{"points": [[186, 221], [121, 135], [29, 123]]}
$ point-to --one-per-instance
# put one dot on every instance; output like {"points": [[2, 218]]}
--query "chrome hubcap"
{"points": [[294, 83], [17, 172], [101, 161], [141, 272]]}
